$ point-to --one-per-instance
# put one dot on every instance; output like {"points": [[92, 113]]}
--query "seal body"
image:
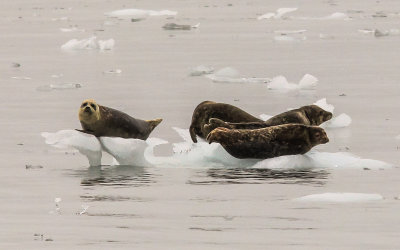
{"points": [[208, 109], [103, 121], [307, 115], [286, 139]]}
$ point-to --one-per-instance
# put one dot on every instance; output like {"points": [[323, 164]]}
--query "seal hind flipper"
{"points": [[193, 133], [154, 123]]}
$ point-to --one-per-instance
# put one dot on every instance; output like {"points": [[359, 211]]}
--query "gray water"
{"points": [[133, 207]]}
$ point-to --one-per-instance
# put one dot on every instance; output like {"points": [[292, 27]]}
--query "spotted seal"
{"points": [[263, 143], [103, 121], [208, 109], [307, 115]]}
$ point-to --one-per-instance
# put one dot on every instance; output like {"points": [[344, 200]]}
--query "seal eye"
{"points": [[93, 106], [84, 104]]}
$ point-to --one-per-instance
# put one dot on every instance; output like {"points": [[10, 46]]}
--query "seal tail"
{"points": [[153, 123], [193, 133]]}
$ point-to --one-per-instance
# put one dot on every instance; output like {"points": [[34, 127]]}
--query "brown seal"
{"points": [[307, 115], [263, 143], [103, 121], [208, 109]]}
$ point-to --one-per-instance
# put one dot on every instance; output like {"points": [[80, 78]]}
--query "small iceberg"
{"points": [[139, 14], [201, 70], [89, 44], [72, 29], [307, 82], [278, 14], [340, 197], [231, 75], [334, 16], [59, 86]]}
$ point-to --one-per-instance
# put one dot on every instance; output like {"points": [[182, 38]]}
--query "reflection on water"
{"points": [[259, 176], [119, 176]]}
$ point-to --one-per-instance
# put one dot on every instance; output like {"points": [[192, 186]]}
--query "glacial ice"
{"points": [[278, 14], [340, 197], [59, 86], [340, 121], [231, 75], [139, 14], [89, 43], [201, 70], [189, 154], [281, 83]]}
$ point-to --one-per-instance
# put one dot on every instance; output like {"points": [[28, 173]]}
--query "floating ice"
{"points": [[315, 159], [89, 43], [231, 75], [84, 209], [340, 197], [73, 29], [308, 82], [21, 78], [139, 14], [59, 86], [341, 121], [265, 117], [86, 144], [201, 70], [324, 105], [366, 31], [57, 75], [278, 14], [200, 154], [106, 44], [289, 32], [333, 16], [281, 83], [60, 19]]}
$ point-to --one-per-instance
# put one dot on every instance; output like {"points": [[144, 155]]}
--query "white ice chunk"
{"points": [[366, 31], [278, 14], [315, 159], [308, 82], [324, 105], [86, 144], [21, 78], [139, 14], [59, 86], [75, 44], [337, 16], [106, 44], [88, 44], [341, 121], [73, 29], [281, 83], [340, 197], [288, 32], [265, 117], [125, 151], [201, 70], [231, 75], [227, 72]]}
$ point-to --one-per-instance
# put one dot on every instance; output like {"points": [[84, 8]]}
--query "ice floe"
{"points": [[281, 83], [59, 86], [278, 14], [21, 78], [231, 75], [340, 197], [72, 29], [88, 44], [201, 70], [201, 154], [334, 16], [139, 14]]}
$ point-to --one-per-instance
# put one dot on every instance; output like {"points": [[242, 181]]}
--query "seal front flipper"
{"points": [[214, 123], [86, 131]]}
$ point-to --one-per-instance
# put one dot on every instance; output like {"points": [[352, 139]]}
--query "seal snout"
{"points": [[87, 110]]}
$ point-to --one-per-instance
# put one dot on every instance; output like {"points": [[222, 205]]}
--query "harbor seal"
{"points": [[307, 115], [208, 109], [103, 121], [263, 143]]}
